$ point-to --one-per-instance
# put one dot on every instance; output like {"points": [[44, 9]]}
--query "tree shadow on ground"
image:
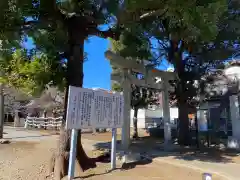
{"points": [[193, 154], [91, 175], [154, 148], [96, 174], [140, 143], [124, 167], [105, 148]]}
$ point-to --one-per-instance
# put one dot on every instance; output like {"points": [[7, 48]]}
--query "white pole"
{"points": [[72, 158], [113, 151], [166, 115], [127, 102]]}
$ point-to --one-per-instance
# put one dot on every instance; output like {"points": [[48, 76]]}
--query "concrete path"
{"points": [[229, 171], [20, 134]]}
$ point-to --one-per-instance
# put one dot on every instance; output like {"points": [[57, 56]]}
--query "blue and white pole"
{"points": [[72, 158], [113, 149]]}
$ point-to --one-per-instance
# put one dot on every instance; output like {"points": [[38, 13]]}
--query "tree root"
{"points": [[60, 159], [59, 165]]}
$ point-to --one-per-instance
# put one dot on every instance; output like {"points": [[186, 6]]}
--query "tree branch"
{"points": [[133, 17], [153, 13], [164, 46], [111, 33], [52, 13]]}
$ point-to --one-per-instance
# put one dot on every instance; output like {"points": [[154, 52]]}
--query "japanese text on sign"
{"points": [[93, 109]]}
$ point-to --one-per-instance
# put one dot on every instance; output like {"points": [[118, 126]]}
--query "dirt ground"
{"points": [[30, 161]]}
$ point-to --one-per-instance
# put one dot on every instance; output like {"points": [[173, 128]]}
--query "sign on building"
{"points": [[88, 108]]}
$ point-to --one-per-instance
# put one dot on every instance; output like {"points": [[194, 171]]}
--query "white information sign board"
{"points": [[88, 108]]}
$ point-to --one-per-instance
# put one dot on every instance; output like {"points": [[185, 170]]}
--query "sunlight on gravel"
{"points": [[30, 161], [24, 160]]}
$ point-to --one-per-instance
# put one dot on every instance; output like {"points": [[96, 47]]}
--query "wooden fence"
{"points": [[41, 122]]}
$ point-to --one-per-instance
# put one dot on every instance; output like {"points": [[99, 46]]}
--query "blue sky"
{"points": [[97, 69]]}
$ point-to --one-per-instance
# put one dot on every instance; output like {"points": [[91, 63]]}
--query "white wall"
{"points": [[173, 113], [141, 118], [145, 115]]}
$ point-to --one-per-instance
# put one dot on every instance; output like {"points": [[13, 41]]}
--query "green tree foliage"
{"points": [[29, 74], [195, 37], [59, 29], [196, 48], [140, 98], [134, 44], [117, 87], [193, 58]]}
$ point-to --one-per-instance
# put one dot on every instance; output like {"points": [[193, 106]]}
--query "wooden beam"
{"points": [[117, 78], [132, 64], [150, 80], [142, 83]]}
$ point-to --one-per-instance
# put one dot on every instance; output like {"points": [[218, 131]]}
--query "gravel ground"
{"points": [[22, 160], [25, 160]]}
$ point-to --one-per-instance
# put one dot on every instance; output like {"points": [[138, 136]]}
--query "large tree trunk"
{"points": [[59, 161], [176, 55], [183, 133], [135, 122], [183, 136]]}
